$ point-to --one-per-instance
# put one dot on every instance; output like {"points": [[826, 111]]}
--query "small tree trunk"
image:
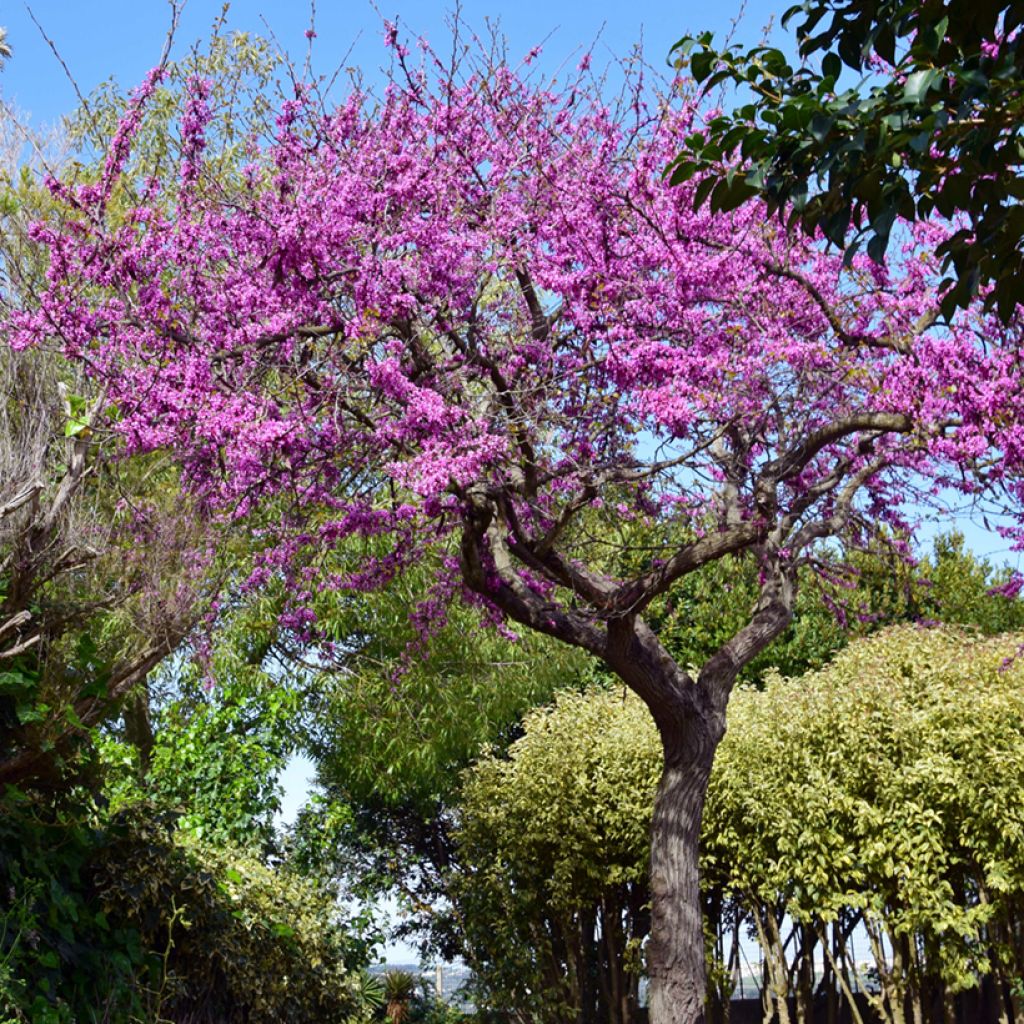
{"points": [[948, 1005], [589, 964], [805, 976], [675, 950], [837, 959], [830, 981], [138, 729], [639, 926]]}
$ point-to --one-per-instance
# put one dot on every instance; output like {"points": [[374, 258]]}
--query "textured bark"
{"points": [[675, 948], [805, 977], [831, 979]]}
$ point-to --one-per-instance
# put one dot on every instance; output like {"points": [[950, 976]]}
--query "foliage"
{"points": [[392, 723], [216, 754], [551, 890], [123, 918], [443, 321], [879, 791], [933, 126], [396, 718], [222, 717], [253, 943], [61, 958], [126, 913], [106, 566], [237, 70], [412, 999], [389, 749], [881, 585], [103, 562], [399, 990]]}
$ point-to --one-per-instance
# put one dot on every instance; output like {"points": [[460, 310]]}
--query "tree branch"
{"points": [[794, 461], [636, 594], [482, 535]]}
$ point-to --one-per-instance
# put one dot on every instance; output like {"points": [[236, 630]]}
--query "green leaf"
{"points": [[29, 713], [703, 190], [702, 63], [820, 126], [919, 84], [15, 682]]}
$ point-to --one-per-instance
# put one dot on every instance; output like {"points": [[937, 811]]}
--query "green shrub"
{"points": [[127, 919]]}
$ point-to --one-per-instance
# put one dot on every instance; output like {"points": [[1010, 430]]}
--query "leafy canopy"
{"points": [[882, 788], [932, 126]]}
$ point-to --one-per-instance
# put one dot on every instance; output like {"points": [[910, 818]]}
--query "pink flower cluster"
{"points": [[480, 298]]}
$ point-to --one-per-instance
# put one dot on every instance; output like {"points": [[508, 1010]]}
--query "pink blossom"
{"points": [[460, 316]]}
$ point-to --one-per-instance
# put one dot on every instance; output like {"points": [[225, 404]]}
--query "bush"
{"points": [[129, 919]]}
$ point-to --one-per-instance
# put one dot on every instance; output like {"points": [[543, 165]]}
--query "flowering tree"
{"points": [[470, 320]]}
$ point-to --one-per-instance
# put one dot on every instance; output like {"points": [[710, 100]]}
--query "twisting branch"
{"points": [[771, 615], [23, 497], [792, 462], [542, 323], [636, 594], [548, 562], [21, 647], [837, 522], [852, 339], [482, 542], [15, 622]]}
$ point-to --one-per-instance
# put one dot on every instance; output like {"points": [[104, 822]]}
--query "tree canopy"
{"points": [[933, 126]]}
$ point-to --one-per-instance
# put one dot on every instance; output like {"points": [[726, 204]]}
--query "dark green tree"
{"points": [[934, 124]]}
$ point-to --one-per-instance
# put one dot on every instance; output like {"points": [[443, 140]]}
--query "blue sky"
{"points": [[123, 38]]}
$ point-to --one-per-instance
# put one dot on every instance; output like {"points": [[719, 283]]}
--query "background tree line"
{"points": [[874, 801]]}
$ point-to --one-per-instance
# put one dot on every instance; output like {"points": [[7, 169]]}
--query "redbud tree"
{"points": [[469, 320]]}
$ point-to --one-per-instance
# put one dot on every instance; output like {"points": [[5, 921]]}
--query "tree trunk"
{"points": [[138, 729], [590, 967], [805, 976], [675, 950]]}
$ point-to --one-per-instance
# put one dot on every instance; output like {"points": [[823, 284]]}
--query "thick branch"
{"points": [[21, 647], [32, 763], [794, 461], [541, 322], [852, 339], [266, 341], [634, 595], [638, 657], [23, 497], [545, 560], [503, 393], [15, 621], [772, 614], [504, 587]]}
